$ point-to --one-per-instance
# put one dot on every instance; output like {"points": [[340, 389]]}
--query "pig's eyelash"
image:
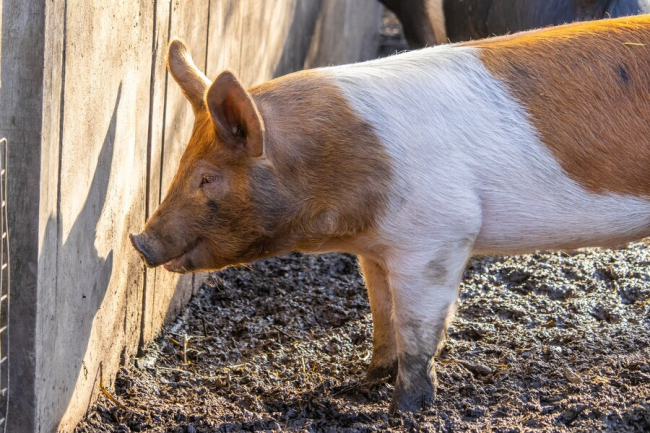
{"points": [[208, 179]]}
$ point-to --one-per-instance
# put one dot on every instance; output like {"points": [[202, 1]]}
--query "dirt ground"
{"points": [[544, 342]]}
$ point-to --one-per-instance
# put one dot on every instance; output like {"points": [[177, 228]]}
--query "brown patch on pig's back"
{"points": [[331, 163], [587, 89]]}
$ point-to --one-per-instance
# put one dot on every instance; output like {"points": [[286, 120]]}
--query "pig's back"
{"points": [[545, 134], [586, 88]]}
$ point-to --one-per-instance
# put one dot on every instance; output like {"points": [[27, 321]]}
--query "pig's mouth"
{"points": [[182, 263]]}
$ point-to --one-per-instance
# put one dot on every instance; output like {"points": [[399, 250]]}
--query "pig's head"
{"points": [[211, 215]]}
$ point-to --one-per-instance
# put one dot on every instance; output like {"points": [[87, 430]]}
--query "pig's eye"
{"points": [[208, 179]]}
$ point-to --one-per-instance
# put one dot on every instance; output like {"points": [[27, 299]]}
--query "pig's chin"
{"points": [[177, 265], [183, 263]]}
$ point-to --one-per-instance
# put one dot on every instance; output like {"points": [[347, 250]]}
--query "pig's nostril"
{"points": [[144, 253]]}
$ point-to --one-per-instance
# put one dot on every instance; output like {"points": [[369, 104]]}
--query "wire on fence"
{"points": [[4, 286]]}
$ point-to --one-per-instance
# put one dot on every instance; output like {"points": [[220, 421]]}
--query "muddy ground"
{"points": [[543, 342]]}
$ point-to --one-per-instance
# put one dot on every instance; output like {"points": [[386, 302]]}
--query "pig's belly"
{"points": [[519, 221]]}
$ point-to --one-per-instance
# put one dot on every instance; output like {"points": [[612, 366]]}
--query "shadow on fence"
{"points": [[66, 359]]}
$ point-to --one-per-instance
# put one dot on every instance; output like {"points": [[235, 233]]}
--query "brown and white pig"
{"points": [[415, 162]]}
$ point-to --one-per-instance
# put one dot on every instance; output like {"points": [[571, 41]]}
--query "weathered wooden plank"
{"points": [[95, 310], [21, 98], [223, 38], [158, 92], [167, 292], [346, 32], [45, 308], [300, 37], [262, 45]]}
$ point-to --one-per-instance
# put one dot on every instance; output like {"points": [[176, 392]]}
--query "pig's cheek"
{"points": [[196, 259]]}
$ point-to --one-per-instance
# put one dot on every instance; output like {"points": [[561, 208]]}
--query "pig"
{"points": [[423, 21], [430, 22], [416, 162]]}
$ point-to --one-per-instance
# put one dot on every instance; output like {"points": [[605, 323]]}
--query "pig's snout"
{"points": [[140, 244]]}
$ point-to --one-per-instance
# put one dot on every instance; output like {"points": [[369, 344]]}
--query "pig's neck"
{"points": [[332, 172]]}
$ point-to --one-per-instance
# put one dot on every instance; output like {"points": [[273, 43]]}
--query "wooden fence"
{"points": [[94, 131]]}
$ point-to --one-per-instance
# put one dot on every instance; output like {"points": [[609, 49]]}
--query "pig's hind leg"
{"points": [[424, 287], [384, 350]]}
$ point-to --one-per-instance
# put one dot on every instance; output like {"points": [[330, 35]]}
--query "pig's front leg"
{"points": [[384, 349], [424, 286]]}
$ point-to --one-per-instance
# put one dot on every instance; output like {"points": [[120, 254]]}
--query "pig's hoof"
{"points": [[379, 372], [417, 397]]}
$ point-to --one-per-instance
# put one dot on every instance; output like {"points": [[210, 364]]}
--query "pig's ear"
{"points": [[235, 115], [191, 80]]}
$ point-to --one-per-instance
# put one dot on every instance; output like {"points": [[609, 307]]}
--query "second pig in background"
{"points": [[432, 22]]}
